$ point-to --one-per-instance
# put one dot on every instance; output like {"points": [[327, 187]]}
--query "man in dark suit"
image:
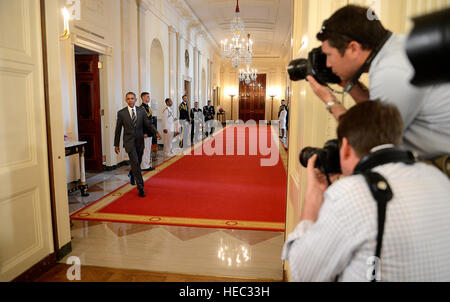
{"points": [[133, 120], [209, 112], [184, 120]]}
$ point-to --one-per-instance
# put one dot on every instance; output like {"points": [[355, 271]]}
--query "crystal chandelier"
{"points": [[237, 51], [247, 76]]}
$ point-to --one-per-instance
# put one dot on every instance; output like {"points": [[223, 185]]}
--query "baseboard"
{"points": [[111, 168], [64, 251], [38, 269]]}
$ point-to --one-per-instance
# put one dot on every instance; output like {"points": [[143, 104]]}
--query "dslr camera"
{"points": [[315, 65], [328, 161]]}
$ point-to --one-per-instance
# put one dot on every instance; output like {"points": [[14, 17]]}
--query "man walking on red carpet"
{"points": [[133, 119]]}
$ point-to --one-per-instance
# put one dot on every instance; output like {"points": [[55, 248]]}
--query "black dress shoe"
{"points": [[141, 193], [148, 169]]}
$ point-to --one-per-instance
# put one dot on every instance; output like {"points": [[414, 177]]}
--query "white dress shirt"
{"points": [[416, 242], [130, 110]]}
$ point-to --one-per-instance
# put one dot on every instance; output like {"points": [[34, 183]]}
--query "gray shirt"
{"points": [[425, 111]]}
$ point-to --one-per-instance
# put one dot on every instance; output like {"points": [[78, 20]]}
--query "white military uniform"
{"points": [[168, 122], [282, 118]]}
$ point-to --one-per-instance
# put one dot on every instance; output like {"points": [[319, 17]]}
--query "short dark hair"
{"points": [[352, 23], [144, 93], [166, 100], [184, 96], [128, 93], [370, 124]]}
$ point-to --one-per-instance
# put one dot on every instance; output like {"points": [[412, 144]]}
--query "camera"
{"points": [[428, 48], [315, 65], [328, 161]]}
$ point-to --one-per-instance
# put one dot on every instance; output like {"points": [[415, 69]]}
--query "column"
{"points": [[194, 91], [178, 81], [199, 78], [172, 62], [181, 71]]}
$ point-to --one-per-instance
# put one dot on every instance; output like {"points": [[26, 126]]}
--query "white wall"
{"points": [[167, 22]]}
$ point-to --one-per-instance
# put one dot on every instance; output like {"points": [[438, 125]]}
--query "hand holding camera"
{"points": [[323, 92], [327, 161]]}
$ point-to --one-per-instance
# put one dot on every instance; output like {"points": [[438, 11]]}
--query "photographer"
{"points": [[337, 234], [354, 44]]}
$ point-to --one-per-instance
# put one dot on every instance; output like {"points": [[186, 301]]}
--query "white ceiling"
{"points": [[267, 21]]}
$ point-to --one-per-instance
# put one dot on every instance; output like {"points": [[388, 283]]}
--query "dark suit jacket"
{"points": [[132, 136], [209, 111], [184, 113]]}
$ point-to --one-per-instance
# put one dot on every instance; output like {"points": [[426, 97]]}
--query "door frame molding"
{"points": [[107, 109], [51, 171]]}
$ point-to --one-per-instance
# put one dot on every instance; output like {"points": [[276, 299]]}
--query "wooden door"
{"points": [[252, 99], [25, 215], [88, 108]]}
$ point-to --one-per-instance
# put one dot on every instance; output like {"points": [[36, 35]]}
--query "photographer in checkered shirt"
{"points": [[337, 234]]}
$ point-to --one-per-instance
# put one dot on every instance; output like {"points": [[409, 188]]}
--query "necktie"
{"points": [[133, 118]]}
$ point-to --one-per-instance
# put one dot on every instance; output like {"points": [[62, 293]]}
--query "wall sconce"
{"points": [[274, 92], [271, 108], [66, 34]]}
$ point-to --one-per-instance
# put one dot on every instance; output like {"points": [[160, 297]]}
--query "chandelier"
{"points": [[237, 51], [247, 76]]}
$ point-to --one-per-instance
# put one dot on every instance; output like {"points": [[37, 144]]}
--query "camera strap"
{"points": [[378, 185]]}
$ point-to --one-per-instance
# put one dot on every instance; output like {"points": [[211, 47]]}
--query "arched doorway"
{"points": [[156, 77]]}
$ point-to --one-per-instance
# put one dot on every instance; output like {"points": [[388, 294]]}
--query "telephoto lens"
{"points": [[428, 48]]}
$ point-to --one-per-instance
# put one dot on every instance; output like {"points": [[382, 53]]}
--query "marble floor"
{"points": [[173, 249]]}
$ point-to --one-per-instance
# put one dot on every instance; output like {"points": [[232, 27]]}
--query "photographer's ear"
{"points": [[346, 150], [354, 48], [348, 158]]}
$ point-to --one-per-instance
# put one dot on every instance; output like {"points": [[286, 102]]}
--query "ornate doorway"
{"points": [[252, 99]]}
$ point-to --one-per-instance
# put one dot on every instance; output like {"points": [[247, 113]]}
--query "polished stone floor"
{"points": [[173, 249]]}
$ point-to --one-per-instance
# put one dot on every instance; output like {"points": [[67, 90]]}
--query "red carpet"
{"points": [[224, 191]]}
